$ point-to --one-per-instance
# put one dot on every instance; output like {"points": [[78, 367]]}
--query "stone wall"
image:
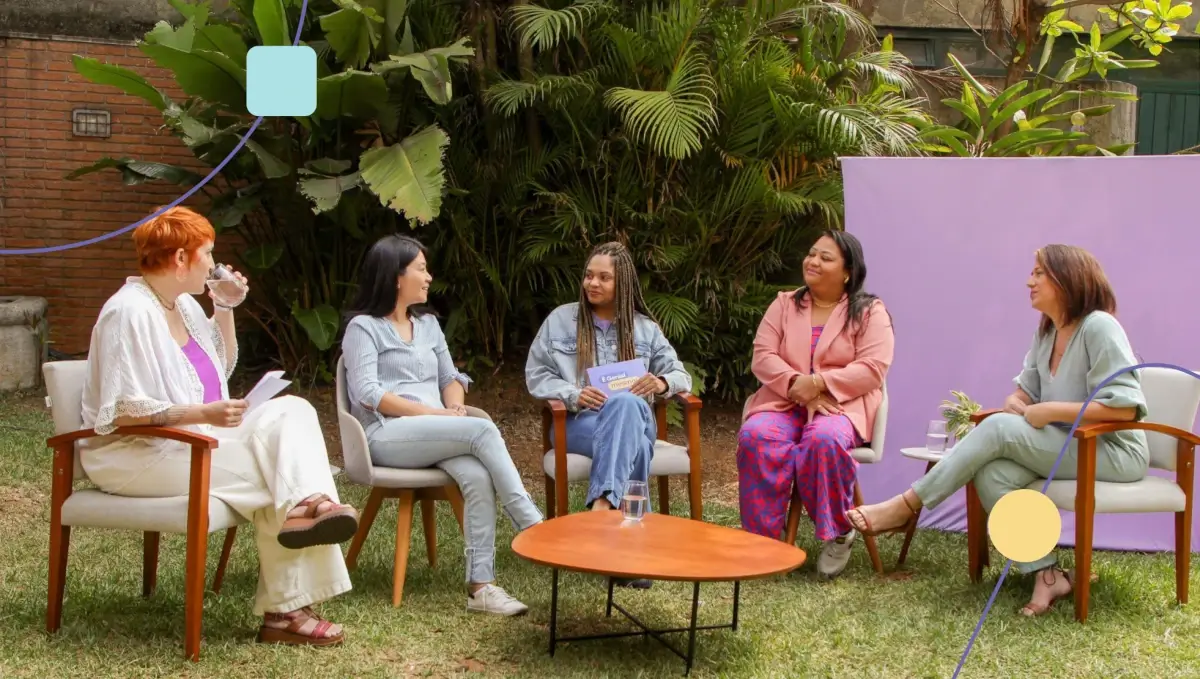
{"points": [[114, 19]]}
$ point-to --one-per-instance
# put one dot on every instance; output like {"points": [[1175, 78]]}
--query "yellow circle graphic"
{"points": [[1024, 525]]}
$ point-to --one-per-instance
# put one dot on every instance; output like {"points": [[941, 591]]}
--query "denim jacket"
{"points": [[550, 371]]}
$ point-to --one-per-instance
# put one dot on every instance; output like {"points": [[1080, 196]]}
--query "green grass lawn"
{"points": [[912, 624]]}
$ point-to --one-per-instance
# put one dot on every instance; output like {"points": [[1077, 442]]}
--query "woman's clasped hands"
{"points": [[807, 393]]}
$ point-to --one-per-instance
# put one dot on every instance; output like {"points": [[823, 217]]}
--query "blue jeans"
{"points": [[620, 440], [472, 452]]}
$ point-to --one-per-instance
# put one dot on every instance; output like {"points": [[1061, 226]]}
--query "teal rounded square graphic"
{"points": [[281, 80]]}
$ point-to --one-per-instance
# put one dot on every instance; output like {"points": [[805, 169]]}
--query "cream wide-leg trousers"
{"points": [[262, 469]]}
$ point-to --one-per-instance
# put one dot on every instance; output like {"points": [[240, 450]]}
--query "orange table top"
{"points": [[659, 547]]}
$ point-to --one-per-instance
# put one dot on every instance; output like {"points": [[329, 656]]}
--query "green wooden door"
{"points": [[1167, 121]]}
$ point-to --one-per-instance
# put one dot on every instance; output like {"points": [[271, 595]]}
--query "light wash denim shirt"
{"points": [[378, 361], [551, 371]]}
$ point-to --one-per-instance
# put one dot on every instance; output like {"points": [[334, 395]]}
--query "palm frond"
{"points": [[672, 121], [541, 28]]}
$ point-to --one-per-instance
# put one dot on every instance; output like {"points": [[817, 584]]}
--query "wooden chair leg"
{"points": [[364, 526], [1185, 477], [695, 502], [561, 499], [455, 498], [793, 520], [404, 516], [150, 542], [223, 563], [868, 540], [193, 600], [1085, 519], [1183, 553], [60, 535], [664, 495], [429, 522], [60, 542], [975, 526], [549, 497]]}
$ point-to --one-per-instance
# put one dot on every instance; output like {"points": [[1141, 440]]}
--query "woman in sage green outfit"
{"points": [[1078, 345]]}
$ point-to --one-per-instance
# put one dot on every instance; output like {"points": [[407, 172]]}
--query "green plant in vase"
{"points": [[958, 414]]}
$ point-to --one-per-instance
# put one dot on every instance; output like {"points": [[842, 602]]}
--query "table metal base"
{"points": [[644, 630]]}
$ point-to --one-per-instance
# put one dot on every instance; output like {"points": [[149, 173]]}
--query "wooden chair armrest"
{"points": [[1086, 431], [172, 433], [688, 401], [198, 478], [982, 415]]}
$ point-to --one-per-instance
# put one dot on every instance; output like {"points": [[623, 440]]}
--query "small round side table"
{"points": [[930, 458]]}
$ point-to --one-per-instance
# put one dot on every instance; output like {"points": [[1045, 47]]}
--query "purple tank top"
{"points": [[204, 369]]}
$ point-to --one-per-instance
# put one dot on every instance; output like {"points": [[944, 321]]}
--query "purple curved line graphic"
{"points": [[1070, 435], [177, 201]]}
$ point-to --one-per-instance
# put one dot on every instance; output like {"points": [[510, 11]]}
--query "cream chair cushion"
{"points": [[669, 460], [97, 509], [1150, 495]]}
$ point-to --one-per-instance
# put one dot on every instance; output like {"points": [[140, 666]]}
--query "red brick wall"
{"points": [[38, 207]]}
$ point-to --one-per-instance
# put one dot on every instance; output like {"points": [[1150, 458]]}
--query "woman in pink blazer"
{"points": [[821, 354]]}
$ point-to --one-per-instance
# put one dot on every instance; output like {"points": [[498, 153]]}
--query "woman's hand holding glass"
{"points": [[227, 288]]}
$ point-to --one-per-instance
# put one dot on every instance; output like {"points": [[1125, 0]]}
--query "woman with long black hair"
{"points": [[405, 390], [821, 353]]}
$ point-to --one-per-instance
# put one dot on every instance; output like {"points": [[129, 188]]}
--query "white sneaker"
{"points": [[493, 599], [836, 555]]}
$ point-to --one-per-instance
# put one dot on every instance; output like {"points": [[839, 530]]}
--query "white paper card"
{"points": [[267, 388]]}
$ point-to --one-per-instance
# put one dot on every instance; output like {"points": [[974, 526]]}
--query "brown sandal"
{"points": [[292, 636], [866, 529], [1032, 610], [308, 530]]}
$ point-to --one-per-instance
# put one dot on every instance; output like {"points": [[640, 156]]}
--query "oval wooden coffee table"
{"points": [[659, 547]]}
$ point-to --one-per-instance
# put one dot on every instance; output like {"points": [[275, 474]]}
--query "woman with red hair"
{"points": [[156, 358]]}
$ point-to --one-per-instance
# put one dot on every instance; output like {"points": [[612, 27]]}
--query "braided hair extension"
{"points": [[627, 299]]}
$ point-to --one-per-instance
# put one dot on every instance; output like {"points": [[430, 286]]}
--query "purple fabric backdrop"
{"points": [[949, 245]]}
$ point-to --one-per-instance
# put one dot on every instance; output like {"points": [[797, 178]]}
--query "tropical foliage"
{"points": [[1014, 122], [313, 190], [703, 134]]}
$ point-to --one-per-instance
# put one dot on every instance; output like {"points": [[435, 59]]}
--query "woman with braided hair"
{"points": [[610, 323]]}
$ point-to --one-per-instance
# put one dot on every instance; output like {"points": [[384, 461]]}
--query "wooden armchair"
{"points": [[669, 459], [1172, 400], [193, 514]]}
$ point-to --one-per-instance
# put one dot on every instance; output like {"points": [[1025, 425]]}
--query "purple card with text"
{"points": [[616, 377]]}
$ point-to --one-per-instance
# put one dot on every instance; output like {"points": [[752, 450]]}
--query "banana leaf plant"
{"points": [[306, 194]]}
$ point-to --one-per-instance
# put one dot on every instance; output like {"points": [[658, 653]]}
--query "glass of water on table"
{"points": [[635, 500], [935, 436]]}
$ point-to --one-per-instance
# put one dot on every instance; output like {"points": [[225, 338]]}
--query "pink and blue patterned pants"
{"points": [[777, 451]]}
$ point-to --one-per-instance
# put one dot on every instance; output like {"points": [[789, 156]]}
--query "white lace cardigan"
{"points": [[135, 367]]}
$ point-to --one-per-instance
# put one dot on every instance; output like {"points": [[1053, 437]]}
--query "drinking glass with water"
{"points": [[225, 287], [935, 436], [635, 500]]}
